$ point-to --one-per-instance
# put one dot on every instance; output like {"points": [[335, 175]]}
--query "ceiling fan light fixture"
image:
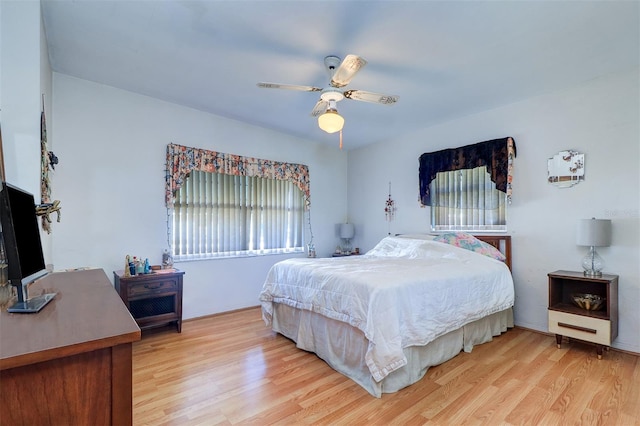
{"points": [[331, 121]]}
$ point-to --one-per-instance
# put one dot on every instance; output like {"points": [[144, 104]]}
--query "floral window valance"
{"points": [[497, 155], [181, 160]]}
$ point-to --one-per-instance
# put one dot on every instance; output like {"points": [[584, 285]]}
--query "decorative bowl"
{"points": [[590, 302]]}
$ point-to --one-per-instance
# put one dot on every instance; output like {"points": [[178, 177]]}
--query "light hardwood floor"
{"points": [[231, 369]]}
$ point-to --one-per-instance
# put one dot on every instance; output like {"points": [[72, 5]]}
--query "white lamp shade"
{"points": [[331, 121], [347, 230], [594, 232]]}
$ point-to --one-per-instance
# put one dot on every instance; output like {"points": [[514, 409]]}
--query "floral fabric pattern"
{"points": [[469, 242], [181, 160]]}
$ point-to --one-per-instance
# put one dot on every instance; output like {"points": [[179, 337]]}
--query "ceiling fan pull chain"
{"points": [[341, 140]]}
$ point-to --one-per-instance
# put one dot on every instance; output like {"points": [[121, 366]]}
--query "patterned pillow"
{"points": [[469, 242]]}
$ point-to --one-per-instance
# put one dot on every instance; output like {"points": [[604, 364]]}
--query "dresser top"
{"points": [[86, 314]]}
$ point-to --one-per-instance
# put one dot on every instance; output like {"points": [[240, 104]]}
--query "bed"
{"points": [[383, 318]]}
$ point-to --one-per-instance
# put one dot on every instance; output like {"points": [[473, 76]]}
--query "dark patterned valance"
{"points": [[496, 154], [181, 160]]}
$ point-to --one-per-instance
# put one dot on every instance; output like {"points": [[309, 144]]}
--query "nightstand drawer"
{"points": [[152, 287], [580, 327]]}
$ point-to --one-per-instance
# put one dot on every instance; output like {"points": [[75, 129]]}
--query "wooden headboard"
{"points": [[501, 242]]}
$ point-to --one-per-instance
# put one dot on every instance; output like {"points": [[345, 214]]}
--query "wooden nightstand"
{"points": [[567, 319], [153, 299]]}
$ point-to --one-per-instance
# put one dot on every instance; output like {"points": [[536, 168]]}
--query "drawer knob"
{"points": [[152, 287]]}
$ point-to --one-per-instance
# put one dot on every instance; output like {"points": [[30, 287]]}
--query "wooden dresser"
{"points": [[71, 363]]}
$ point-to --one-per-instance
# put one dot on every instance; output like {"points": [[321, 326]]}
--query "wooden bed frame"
{"points": [[501, 242]]}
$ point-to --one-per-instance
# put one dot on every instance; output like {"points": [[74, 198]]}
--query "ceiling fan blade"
{"points": [[289, 87], [320, 108], [376, 98], [347, 70]]}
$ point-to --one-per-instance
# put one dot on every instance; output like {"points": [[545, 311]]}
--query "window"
{"points": [[468, 188], [222, 205], [467, 200], [224, 215]]}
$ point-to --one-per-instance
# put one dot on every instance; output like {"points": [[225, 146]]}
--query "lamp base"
{"points": [[346, 246], [592, 263]]}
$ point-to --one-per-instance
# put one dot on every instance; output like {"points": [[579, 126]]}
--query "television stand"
{"points": [[33, 305]]}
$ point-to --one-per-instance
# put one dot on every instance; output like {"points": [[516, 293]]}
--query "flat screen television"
{"points": [[22, 246]]}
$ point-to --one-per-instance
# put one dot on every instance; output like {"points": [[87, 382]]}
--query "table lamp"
{"points": [[347, 231], [593, 233]]}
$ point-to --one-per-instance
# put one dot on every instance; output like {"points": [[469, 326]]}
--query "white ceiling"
{"points": [[444, 59]]}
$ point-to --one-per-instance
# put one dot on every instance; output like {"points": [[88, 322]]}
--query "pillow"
{"points": [[469, 242], [398, 247]]}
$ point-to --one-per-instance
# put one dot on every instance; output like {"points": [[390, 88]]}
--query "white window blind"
{"points": [[221, 215], [467, 200]]}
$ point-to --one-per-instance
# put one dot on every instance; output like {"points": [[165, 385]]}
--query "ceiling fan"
{"points": [[340, 75]]}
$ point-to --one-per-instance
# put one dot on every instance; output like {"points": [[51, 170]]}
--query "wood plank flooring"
{"points": [[231, 369]]}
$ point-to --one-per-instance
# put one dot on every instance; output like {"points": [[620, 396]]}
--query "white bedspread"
{"points": [[402, 293]]}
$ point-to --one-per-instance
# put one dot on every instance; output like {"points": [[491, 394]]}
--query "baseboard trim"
{"points": [[533, 330], [217, 314]]}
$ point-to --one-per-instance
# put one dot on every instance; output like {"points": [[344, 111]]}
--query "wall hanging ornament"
{"points": [[48, 160], [565, 169], [45, 210], [389, 209]]}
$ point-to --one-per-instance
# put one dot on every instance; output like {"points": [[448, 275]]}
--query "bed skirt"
{"points": [[343, 347]]}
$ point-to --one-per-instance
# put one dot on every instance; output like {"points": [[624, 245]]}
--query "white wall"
{"points": [[25, 77], [600, 119], [46, 91], [20, 93], [110, 180]]}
